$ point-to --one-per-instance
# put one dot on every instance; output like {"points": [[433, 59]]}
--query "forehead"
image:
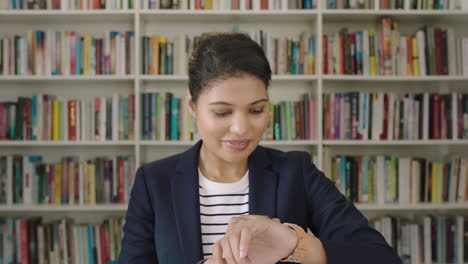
{"points": [[236, 90]]}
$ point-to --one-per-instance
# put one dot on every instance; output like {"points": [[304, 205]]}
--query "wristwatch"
{"points": [[299, 252]]}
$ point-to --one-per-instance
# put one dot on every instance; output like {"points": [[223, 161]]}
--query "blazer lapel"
{"points": [[186, 202], [262, 184]]}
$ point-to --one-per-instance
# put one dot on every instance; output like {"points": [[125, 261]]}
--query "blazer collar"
{"points": [[186, 202]]}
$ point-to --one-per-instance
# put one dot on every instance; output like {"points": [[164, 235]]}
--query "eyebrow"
{"points": [[226, 103]]}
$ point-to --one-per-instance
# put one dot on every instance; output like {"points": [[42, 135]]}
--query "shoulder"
{"points": [[290, 159]]}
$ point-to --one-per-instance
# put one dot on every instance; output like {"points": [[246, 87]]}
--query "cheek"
{"points": [[210, 126]]}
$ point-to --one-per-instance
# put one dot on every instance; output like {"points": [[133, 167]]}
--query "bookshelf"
{"points": [[142, 22], [170, 23]]}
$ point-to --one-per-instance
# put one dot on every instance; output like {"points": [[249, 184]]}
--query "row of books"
{"points": [[396, 4], [66, 4], [431, 50], [422, 4], [388, 116], [166, 117], [30, 180], [67, 53], [405, 180], [287, 55], [230, 4], [34, 240], [430, 239], [162, 56], [46, 117]]}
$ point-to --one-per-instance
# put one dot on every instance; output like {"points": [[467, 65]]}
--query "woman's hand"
{"points": [[254, 239]]}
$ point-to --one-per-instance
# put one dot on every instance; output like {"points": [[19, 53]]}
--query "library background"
{"points": [[375, 90]]}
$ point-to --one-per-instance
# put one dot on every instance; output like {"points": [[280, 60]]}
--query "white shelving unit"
{"points": [[284, 87]]}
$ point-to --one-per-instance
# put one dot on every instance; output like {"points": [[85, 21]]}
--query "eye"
{"points": [[221, 114], [257, 111]]}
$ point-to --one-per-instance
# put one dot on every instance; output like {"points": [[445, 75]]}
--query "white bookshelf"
{"points": [[172, 22]]}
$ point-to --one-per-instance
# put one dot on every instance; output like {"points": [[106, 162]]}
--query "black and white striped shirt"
{"points": [[218, 203]]}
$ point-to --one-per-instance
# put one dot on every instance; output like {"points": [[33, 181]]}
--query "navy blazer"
{"points": [[162, 224]]}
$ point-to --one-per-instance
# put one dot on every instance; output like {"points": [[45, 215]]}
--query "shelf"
{"points": [[405, 16], [185, 77], [169, 143], [413, 207], [296, 16], [74, 16], [123, 207], [64, 208], [32, 143], [395, 142], [362, 78], [60, 78]]}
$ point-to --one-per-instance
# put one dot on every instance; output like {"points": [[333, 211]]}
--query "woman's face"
{"points": [[232, 116]]}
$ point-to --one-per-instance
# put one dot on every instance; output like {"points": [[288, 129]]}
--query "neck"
{"points": [[219, 170]]}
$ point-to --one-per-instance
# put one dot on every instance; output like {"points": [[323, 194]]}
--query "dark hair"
{"points": [[218, 56]]}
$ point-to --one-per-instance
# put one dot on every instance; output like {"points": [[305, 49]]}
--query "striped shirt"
{"points": [[218, 203]]}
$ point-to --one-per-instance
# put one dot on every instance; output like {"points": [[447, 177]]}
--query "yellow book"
{"points": [[87, 55], [90, 183], [162, 61], [154, 55], [372, 52], [58, 184], [31, 51], [434, 182], [415, 56], [189, 125], [55, 121], [209, 4]]}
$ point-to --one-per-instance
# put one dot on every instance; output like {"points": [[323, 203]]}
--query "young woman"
{"points": [[229, 200]]}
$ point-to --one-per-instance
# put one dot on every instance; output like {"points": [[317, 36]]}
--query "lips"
{"points": [[237, 144]]}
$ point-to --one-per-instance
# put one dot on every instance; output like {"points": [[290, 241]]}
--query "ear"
{"points": [[190, 105]]}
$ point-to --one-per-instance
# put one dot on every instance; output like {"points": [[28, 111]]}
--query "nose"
{"points": [[240, 124]]}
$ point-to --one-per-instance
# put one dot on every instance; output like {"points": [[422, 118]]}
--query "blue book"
{"points": [[331, 4], [175, 118], [307, 4], [365, 176], [295, 57], [78, 51], [90, 244], [311, 51], [359, 52]]}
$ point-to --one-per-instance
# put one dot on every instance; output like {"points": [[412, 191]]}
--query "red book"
{"points": [[384, 4], [102, 236], [235, 4], [73, 53], [96, 4], [98, 56], [409, 55], [327, 120], [72, 120], [264, 4], [248, 4], [325, 54], [24, 241], [297, 116], [311, 119], [436, 117], [443, 118], [120, 163], [385, 121], [342, 54]]}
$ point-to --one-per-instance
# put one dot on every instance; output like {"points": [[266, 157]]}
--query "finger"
{"points": [[217, 252], [245, 237], [234, 241], [276, 220], [227, 251]]}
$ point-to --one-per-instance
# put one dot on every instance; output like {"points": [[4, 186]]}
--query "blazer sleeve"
{"points": [[345, 233], [138, 239]]}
